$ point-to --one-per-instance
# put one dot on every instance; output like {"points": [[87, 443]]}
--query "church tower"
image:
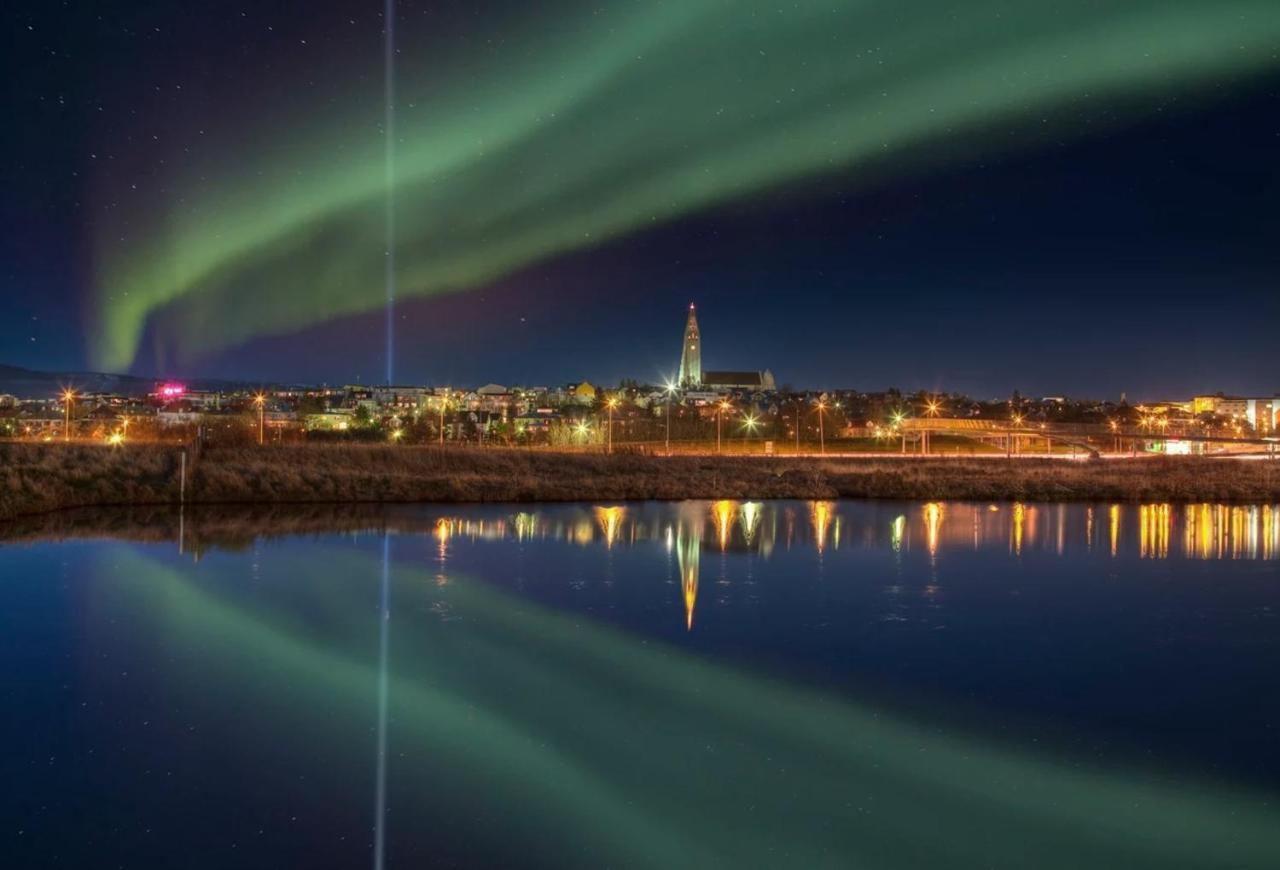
{"points": [[691, 354]]}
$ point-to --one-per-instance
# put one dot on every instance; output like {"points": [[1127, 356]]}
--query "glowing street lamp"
{"points": [[611, 404], [261, 401], [68, 396], [582, 429], [822, 437], [443, 402], [671, 391], [932, 407], [720, 409], [749, 425]]}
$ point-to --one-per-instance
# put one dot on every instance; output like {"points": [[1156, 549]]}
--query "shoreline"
{"points": [[40, 478]]}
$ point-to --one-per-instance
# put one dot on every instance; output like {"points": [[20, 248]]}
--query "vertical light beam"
{"points": [[389, 170], [380, 788]]}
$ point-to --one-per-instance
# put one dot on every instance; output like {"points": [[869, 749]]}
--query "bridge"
{"points": [[1086, 436]]}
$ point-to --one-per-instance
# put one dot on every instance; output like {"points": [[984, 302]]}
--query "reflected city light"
{"points": [[1154, 522], [610, 521], [896, 530], [750, 521], [722, 515], [820, 516], [1154, 531], [933, 523]]}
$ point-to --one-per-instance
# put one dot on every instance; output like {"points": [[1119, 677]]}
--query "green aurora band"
{"points": [[582, 745], [586, 128]]}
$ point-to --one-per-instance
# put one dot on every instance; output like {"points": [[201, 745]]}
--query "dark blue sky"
{"points": [[1135, 254]]}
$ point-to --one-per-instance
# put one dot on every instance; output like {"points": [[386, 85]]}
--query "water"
{"points": [[704, 684]]}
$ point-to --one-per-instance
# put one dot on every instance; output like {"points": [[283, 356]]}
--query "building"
{"points": [[691, 353], [1261, 414], [756, 382], [707, 385]]}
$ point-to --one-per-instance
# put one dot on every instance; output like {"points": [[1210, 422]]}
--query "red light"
{"points": [[172, 391]]}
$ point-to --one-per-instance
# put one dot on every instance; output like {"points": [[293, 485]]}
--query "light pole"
{"points": [[612, 403], [822, 436], [749, 424], [68, 396], [671, 390], [724, 406], [444, 400], [261, 401], [931, 408]]}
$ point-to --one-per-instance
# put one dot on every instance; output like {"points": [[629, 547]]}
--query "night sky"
{"points": [[979, 196]]}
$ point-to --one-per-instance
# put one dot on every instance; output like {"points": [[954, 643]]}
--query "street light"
{"points": [[671, 390], [68, 396], [443, 401], [261, 401], [749, 425], [822, 437], [612, 403], [720, 409]]}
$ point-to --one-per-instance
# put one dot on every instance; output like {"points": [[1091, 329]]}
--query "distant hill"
{"points": [[31, 384]]}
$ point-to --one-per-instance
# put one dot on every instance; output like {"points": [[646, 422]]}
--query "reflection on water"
{"points": [[689, 555], [247, 699], [1150, 531]]}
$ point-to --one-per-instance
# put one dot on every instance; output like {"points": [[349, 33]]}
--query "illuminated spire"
{"points": [[691, 352]]}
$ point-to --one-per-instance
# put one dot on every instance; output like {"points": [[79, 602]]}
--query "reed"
{"points": [[42, 477]]}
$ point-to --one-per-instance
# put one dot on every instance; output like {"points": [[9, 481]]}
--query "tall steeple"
{"points": [[691, 353]]}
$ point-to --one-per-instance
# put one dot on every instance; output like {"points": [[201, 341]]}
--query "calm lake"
{"points": [[766, 684]]}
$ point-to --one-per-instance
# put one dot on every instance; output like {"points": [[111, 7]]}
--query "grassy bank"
{"points": [[43, 477]]}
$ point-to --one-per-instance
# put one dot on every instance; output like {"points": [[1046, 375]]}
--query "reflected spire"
{"points": [[689, 554]]}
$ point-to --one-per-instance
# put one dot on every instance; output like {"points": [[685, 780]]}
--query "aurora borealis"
{"points": [[523, 136]]}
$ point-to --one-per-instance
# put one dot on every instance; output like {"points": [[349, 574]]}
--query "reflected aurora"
{"points": [[601, 748]]}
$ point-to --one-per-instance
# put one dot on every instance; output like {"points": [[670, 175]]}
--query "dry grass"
{"points": [[36, 478]]}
